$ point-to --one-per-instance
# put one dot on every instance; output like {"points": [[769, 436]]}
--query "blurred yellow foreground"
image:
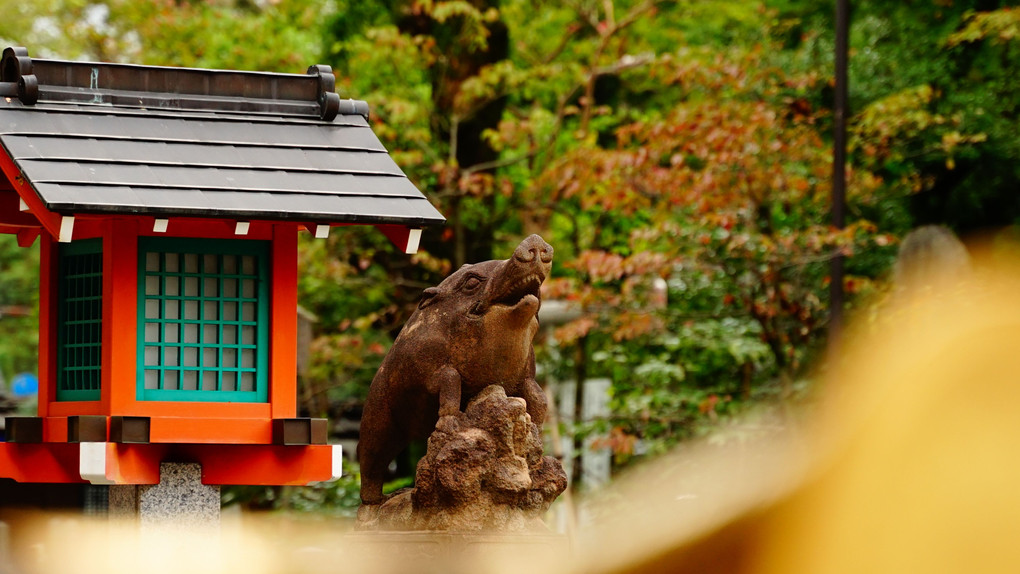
{"points": [[909, 463]]}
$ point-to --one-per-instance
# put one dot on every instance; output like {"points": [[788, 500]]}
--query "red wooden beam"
{"points": [[10, 211], [268, 465], [112, 463], [44, 462], [207, 228], [405, 238], [27, 236], [182, 429], [49, 220]]}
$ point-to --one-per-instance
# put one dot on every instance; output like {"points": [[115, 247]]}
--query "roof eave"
{"points": [[246, 215]]}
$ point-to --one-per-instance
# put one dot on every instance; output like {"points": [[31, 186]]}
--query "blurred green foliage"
{"points": [[338, 497], [19, 308]]}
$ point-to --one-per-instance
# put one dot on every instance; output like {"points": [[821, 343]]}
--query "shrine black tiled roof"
{"points": [[145, 140]]}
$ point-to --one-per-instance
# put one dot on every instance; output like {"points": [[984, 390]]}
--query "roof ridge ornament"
{"points": [[171, 87], [329, 100], [16, 68], [354, 107]]}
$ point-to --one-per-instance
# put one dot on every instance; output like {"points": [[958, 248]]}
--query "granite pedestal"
{"points": [[179, 501]]}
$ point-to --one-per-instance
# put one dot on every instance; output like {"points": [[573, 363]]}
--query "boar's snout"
{"points": [[534, 247]]}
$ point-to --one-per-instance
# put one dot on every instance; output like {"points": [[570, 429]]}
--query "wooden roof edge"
{"points": [[419, 220]]}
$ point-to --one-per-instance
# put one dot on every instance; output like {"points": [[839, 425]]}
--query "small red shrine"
{"points": [[168, 203]]}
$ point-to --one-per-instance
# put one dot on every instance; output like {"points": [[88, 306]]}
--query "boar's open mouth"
{"points": [[518, 290], [511, 293]]}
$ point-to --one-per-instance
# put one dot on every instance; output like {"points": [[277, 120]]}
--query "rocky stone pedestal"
{"points": [[180, 501], [484, 471]]}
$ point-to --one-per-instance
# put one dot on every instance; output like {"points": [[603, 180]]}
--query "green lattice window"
{"points": [[79, 320], [203, 320]]}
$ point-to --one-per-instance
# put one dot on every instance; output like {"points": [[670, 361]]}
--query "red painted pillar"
{"points": [[47, 323], [120, 316], [283, 322]]}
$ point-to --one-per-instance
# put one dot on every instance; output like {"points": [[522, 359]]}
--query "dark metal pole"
{"points": [[839, 167]]}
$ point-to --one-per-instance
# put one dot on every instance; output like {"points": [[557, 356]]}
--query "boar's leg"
{"points": [[371, 485], [533, 394], [377, 447], [446, 383]]}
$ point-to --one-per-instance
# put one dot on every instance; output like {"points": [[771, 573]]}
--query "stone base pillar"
{"points": [[179, 501]]}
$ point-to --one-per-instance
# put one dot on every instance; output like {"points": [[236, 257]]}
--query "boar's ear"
{"points": [[428, 297]]}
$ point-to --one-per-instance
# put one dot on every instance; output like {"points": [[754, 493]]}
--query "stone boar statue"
{"points": [[473, 330]]}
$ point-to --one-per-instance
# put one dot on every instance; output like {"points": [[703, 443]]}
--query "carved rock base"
{"points": [[484, 470]]}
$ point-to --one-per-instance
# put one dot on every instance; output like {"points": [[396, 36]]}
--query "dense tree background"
{"points": [[676, 153]]}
